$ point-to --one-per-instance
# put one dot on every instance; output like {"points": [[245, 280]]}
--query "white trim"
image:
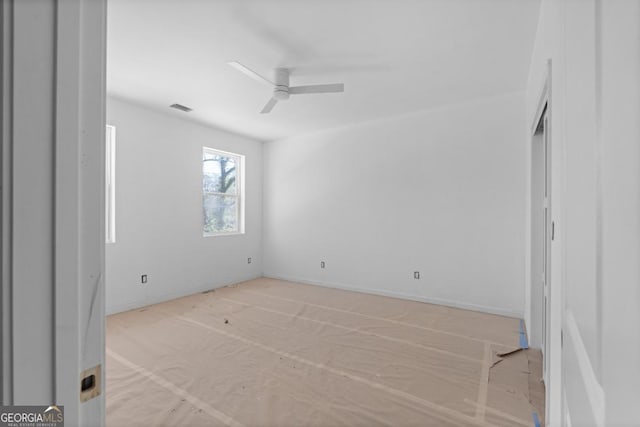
{"points": [[223, 233], [34, 39], [543, 101], [555, 285], [52, 225], [239, 195], [79, 184], [158, 299], [67, 214], [543, 106], [6, 138], [557, 254], [110, 184], [223, 152], [592, 386], [429, 300], [565, 410]]}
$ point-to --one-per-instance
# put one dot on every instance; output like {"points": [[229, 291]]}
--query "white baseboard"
{"points": [[565, 410], [429, 300], [157, 299], [576, 353], [132, 305]]}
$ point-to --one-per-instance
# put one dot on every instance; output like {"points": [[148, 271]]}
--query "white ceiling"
{"points": [[394, 56]]}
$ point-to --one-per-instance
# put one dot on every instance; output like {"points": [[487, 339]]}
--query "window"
{"points": [[110, 184], [222, 192]]}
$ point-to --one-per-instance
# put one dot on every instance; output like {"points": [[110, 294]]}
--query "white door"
{"points": [[546, 245], [540, 236]]}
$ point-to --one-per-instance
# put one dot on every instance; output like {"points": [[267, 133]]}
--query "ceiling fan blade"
{"points": [[330, 88], [250, 73], [269, 106]]}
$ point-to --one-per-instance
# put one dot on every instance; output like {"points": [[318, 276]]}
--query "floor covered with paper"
{"points": [[274, 353]]}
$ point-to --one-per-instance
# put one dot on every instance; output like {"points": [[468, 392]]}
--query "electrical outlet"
{"points": [[416, 274], [143, 279], [321, 264], [249, 260]]}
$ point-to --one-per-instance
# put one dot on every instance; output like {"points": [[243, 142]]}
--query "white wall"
{"points": [[619, 155], [159, 210], [440, 192], [594, 286]]}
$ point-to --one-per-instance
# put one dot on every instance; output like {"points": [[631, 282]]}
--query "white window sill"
{"points": [[232, 233]]}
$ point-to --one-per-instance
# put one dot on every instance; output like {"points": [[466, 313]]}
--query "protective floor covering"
{"points": [[274, 353]]}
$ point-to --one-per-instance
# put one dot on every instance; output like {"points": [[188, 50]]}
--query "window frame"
{"points": [[239, 160]]}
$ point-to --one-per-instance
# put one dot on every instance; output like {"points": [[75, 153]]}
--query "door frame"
{"points": [[52, 205], [547, 230], [540, 179], [553, 353]]}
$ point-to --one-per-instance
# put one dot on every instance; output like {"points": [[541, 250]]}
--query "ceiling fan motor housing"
{"points": [[281, 91]]}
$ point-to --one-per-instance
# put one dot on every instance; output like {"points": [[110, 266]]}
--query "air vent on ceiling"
{"points": [[181, 108]]}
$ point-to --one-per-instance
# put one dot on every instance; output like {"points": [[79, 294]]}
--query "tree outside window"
{"points": [[221, 197]]}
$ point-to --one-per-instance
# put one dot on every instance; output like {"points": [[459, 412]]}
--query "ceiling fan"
{"points": [[281, 88]]}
